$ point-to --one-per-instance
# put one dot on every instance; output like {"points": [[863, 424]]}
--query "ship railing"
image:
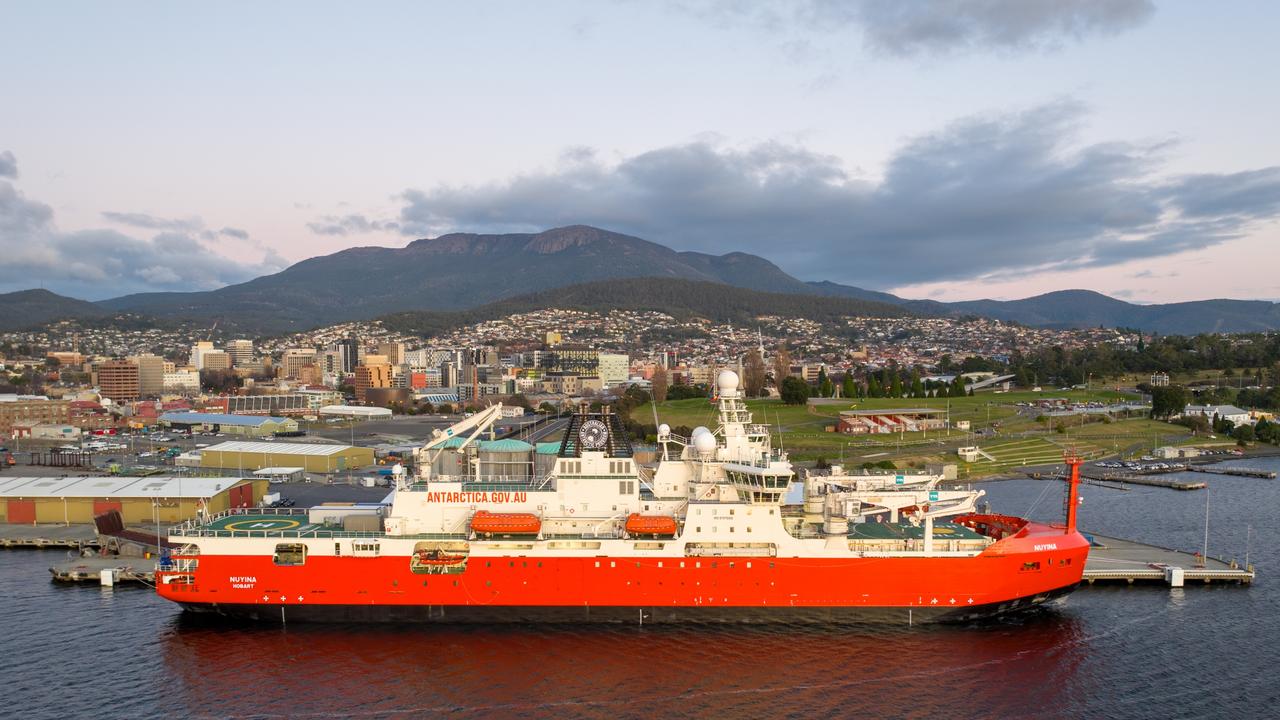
{"points": [[583, 536], [484, 482], [317, 533], [199, 522]]}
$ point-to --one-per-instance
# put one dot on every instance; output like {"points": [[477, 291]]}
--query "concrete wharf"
{"points": [[48, 536], [1116, 560]]}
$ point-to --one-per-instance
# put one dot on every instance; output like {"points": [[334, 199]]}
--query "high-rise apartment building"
{"points": [[150, 374], [241, 352], [118, 380]]}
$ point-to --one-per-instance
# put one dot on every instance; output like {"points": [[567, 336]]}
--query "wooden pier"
{"points": [[1094, 477], [1113, 560], [106, 570], [1239, 472]]}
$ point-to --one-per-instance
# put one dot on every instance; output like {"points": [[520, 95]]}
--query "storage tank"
{"points": [[544, 459], [505, 458]]}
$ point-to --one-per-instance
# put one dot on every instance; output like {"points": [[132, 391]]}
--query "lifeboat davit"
{"points": [[638, 524], [489, 523]]}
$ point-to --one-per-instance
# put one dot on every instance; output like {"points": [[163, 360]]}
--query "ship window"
{"points": [[748, 564], [337, 549], [699, 528], [731, 511], [290, 554]]}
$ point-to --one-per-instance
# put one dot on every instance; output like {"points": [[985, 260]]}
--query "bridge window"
{"points": [[290, 554]]}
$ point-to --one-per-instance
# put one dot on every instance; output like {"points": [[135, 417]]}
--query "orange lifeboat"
{"points": [[638, 524], [488, 523]]}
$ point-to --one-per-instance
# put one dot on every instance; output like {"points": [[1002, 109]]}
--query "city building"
{"points": [[215, 360], [29, 410], [241, 352], [613, 368], [377, 375], [294, 360], [863, 422], [118, 380], [1225, 412], [150, 374], [181, 382], [197, 353]]}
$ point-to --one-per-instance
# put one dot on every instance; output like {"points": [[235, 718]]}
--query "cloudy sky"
{"points": [[954, 149]]}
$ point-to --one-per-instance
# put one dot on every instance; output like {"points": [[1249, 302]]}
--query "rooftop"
{"points": [[195, 418], [128, 487], [278, 448]]}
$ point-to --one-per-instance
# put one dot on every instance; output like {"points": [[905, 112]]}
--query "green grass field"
{"points": [[1021, 440]]}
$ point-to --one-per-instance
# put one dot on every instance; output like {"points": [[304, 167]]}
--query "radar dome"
{"points": [[727, 381], [700, 430], [664, 429], [704, 443]]}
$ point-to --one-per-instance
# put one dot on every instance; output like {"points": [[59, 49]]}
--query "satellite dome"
{"points": [[704, 443], [727, 381], [700, 430], [664, 429]]}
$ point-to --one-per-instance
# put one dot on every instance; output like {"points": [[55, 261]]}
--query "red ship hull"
{"points": [[1012, 574]]}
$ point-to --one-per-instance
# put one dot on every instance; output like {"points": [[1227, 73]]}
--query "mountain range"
{"points": [[465, 272]]}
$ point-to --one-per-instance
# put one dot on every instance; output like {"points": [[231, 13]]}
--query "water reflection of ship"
{"points": [[547, 670]]}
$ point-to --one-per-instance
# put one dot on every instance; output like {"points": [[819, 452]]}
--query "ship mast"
{"points": [[1073, 489]]}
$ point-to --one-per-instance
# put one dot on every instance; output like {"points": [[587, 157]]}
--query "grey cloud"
{"points": [[936, 27], [351, 225], [235, 233], [8, 165], [101, 263], [1251, 194], [151, 222], [983, 197]]}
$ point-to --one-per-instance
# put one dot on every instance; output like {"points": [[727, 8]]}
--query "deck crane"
{"points": [[477, 424]]}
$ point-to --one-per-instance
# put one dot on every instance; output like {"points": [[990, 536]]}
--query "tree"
{"points": [[822, 378], [826, 388], [781, 365], [917, 386], [1168, 400], [794, 391], [895, 386], [1243, 434], [660, 385], [753, 374], [848, 387], [957, 387]]}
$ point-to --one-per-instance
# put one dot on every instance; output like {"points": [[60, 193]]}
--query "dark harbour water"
{"points": [[1118, 652]]}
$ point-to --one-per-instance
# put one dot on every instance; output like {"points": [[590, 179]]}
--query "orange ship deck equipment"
{"points": [[489, 523], [638, 524]]}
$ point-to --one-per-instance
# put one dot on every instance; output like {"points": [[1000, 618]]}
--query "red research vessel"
{"points": [[595, 536]]}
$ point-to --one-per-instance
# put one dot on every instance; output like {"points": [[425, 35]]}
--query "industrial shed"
{"points": [[246, 425], [313, 457], [140, 501]]}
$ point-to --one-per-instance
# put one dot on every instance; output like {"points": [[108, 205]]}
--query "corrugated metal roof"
{"points": [[218, 419], [549, 448], [278, 448], [110, 486], [507, 445]]}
